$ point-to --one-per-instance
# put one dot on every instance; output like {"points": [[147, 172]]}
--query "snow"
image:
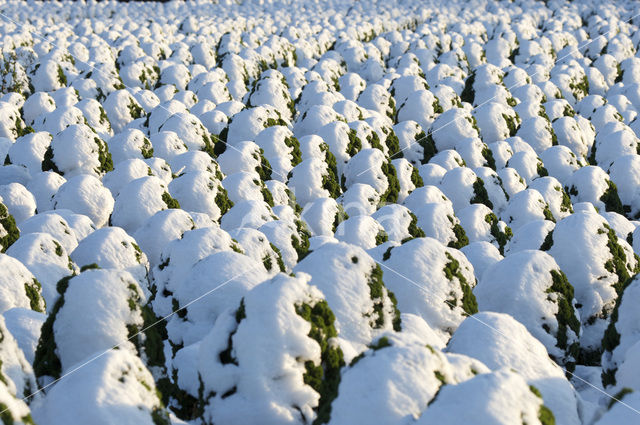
{"points": [[320, 216], [129, 144], [580, 249], [80, 224], [395, 219], [100, 299], [24, 325], [115, 388], [352, 302], [359, 199], [554, 195], [304, 191], [432, 174], [160, 229], [269, 388], [305, 182], [251, 213], [17, 377], [624, 174], [626, 326], [405, 379], [137, 201], [530, 236], [13, 282], [240, 186], [118, 106], [451, 126], [179, 255], [447, 159], [458, 185], [193, 161], [197, 192], [243, 156], [525, 275], [484, 396], [29, 150], [46, 259], [167, 145], [43, 186], [54, 225], [235, 274], [621, 413], [438, 222], [272, 141], [84, 194], [125, 172], [112, 248], [499, 341], [366, 167], [560, 162], [482, 255], [76, 151], [425, 289], [524, 207], [361, 230]]}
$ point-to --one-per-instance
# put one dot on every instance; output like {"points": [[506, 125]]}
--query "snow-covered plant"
{"points": [[20, 288], [129, 144], [116, 315], [463, 187], [343, 142], [481, 224], [314, 178], [552, 318], [437, 220], [486, 337], [193, 133], [592, 184], [586, 236], [85, 194], [620, 338], [113, 248], [280, 150], [194, 319], [128, 210], [272, 89], [438, 287], [10, 232], [372, 308], [451, 126], [369, 166], [17, 380], [290, 239], [123, 383], [246, 124], [246, 156], [399, 223], [524, 207], [361, 230], [121, 109], [302, 330], [47, 259], [200, 191], [409, 389], [77, 150]]}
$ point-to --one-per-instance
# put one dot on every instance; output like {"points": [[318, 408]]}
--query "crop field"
{"points": [[266, 212]]}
